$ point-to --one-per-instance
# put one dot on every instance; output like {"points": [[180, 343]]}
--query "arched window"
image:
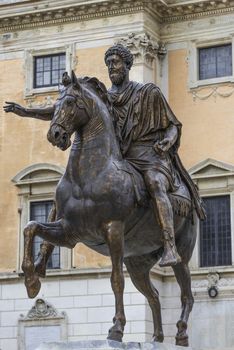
{"points": [[36, 185]]}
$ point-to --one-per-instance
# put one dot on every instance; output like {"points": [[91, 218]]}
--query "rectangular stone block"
{"points": [[50, 289], [108, 299], [6, 305], [9, 318], [61, 303], [13, 291], [103, 314], [8, 344], [77, 315], [6, 332], [137, 298], [88, 301], [99, 286], [135, 312], [23, 304], [87, 329], [73, 287]]}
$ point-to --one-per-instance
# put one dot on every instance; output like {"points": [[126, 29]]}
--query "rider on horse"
{"points": [[149, 136]]}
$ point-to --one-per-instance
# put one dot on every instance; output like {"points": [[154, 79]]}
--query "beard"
{"points": [[117, 77]]}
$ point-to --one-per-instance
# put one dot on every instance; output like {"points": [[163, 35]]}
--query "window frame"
{"points": [[35, 86], [35, 189], [216, 48], [232, 237], [30, 54], [193, 62], [218, 182]]}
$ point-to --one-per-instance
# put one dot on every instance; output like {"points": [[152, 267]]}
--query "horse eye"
{"points": [[69, 102]]}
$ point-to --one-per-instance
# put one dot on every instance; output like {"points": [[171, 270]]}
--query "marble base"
{"points": [[108, 345]]}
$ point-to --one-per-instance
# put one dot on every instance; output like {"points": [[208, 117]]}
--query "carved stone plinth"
{"points": [[108, 345]]}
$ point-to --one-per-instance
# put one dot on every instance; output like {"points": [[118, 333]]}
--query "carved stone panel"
{"points": [[41, 324]]}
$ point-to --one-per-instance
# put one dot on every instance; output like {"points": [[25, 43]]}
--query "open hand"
{"points": [[14, 108], [162, 146]]}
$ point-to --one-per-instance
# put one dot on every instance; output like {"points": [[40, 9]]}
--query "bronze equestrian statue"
{"points": [[124, 193]]}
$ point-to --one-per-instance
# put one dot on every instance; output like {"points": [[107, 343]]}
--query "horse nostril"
{"points": [[56, 135]]}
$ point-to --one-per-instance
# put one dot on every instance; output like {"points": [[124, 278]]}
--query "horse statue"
{"points": [[96, 204]]}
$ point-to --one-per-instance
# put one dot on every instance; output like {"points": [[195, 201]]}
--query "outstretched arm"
{"points": [[37, 113]]}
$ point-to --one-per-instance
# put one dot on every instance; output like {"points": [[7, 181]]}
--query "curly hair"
{"points": [[121, 51]]}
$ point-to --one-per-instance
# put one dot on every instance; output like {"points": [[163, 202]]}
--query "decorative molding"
{"points": [[74, 13], [23, 176], [58, 13], [215, 91], [193, 10], [42, 318], [143, 48], [48, 102], [198, 170], [41, 310], [213, 279]]}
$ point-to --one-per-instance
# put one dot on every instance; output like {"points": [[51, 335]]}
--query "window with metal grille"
{"points": [[48, 70], [39, 211], [215, 62], [215, 233]]}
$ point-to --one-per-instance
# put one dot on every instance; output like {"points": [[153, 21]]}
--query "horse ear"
{"points": [[74, 79]]}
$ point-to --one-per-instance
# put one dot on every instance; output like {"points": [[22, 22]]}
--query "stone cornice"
{"points": [[66, 14], [32, 14]]}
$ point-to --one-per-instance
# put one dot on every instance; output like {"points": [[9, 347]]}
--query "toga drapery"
{"points": [[141, 117]]}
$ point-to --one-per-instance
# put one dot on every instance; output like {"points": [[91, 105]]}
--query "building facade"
{"points": [[187, 49]]}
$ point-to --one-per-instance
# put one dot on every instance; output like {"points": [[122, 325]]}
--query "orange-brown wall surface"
{"points": [[208, 125]]}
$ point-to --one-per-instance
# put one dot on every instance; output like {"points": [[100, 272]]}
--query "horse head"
{"points": [[71, 113]]}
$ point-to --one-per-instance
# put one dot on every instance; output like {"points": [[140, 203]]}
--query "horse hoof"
{"points": [[33, 287], [182, 340], [115, 334], [158, 338]]}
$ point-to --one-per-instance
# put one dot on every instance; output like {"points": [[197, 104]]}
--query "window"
{"points": [[36, 187], [43, 68], [215, 62], [210, 61], [215, 233], [39, 211], [48, 70]]}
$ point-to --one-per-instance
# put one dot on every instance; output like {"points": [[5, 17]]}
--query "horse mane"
{"points": [[96, 85]]}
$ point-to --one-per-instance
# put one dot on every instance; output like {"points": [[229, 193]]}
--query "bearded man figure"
{"points": [[149, 137]]}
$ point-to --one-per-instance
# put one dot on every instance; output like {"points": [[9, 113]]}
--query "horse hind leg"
{"points": [[183, 278], [139, 270]]}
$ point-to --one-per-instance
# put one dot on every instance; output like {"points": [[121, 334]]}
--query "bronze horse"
{"points": [[96, 205]]}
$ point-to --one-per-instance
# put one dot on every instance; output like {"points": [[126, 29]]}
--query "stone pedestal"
{"points": [[108, 345]]}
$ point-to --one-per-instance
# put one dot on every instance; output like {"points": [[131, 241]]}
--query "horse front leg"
{"points": [[52, 232], [115, 240], [46, 248]]}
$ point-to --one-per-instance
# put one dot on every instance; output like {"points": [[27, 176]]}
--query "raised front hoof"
{"points": [[182, 340], [115, 334], [33, 286], [158, 338]]}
